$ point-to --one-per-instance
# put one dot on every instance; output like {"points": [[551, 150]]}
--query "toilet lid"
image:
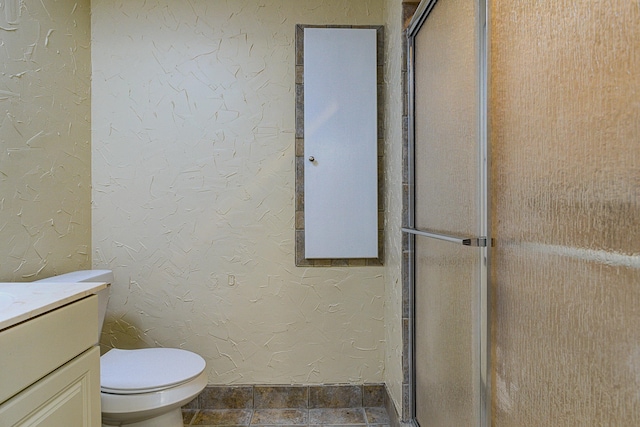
{"points": [[147, 370]]}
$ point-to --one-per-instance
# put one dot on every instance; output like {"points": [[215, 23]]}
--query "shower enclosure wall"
{"points": [[541, 326]]}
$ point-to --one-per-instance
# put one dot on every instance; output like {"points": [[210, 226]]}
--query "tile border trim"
{"points": [[271, 396]]}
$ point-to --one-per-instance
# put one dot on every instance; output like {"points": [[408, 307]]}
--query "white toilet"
{"points": [[146, 387]]}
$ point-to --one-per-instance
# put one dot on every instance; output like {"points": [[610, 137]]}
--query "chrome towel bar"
{"points": [[466, 241]]}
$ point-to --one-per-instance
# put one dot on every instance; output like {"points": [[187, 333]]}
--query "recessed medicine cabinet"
{"points": [[339, 215]]}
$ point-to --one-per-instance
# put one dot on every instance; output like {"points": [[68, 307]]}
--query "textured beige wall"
{"points": [[193, 184], [565, 115], [45, 159], [393, 200]]}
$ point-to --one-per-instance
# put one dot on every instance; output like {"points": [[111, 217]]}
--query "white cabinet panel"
{"points": [[70, 396], [50, 369], [340, 143], [32, 349]]}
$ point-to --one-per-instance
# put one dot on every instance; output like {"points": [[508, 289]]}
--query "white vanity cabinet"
{"points": [[50, 368]]}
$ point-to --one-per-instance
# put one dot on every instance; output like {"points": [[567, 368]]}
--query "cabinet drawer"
{"points": [[30, 350]]}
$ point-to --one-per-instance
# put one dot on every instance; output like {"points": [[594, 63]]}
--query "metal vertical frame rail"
{"points": [[485, 212]]}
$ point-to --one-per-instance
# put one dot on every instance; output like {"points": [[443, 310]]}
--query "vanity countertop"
{"points": [[23, 301]]}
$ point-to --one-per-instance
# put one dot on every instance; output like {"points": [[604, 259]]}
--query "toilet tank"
{"points": [[101, 276]]}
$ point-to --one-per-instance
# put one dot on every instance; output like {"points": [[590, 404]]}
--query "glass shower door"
{"points": [[447, 221]]}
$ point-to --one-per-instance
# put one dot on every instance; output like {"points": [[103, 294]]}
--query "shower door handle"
{"points": [[465, 241]]}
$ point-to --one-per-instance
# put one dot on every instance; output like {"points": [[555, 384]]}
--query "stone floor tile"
{"points": [[222, 417], [338, 425], [376, 416], [337, 416], [280, 417]]}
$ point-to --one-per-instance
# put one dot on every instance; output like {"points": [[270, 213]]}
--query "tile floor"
{"points": [[375, 416]]}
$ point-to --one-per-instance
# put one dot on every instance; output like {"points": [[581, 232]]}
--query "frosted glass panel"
{"points": [[446, 120], [340, 143], [447, 188], [566, 213], [446, 344]]}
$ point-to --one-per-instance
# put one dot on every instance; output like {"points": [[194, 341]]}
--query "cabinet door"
{"points": [[69, 396], [340, 143]]}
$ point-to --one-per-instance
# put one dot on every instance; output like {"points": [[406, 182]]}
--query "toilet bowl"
{"points": [[144, 387]]}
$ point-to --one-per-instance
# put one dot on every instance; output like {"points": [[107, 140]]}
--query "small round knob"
{"points": [[312, 159]]}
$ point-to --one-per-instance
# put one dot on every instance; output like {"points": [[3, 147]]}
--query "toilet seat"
{"points": [[147, 370]]}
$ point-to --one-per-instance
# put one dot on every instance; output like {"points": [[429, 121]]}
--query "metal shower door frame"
{"points": [[483, 323]]}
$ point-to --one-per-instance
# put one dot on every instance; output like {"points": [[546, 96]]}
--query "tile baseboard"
{"points": [[291, 396]]}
